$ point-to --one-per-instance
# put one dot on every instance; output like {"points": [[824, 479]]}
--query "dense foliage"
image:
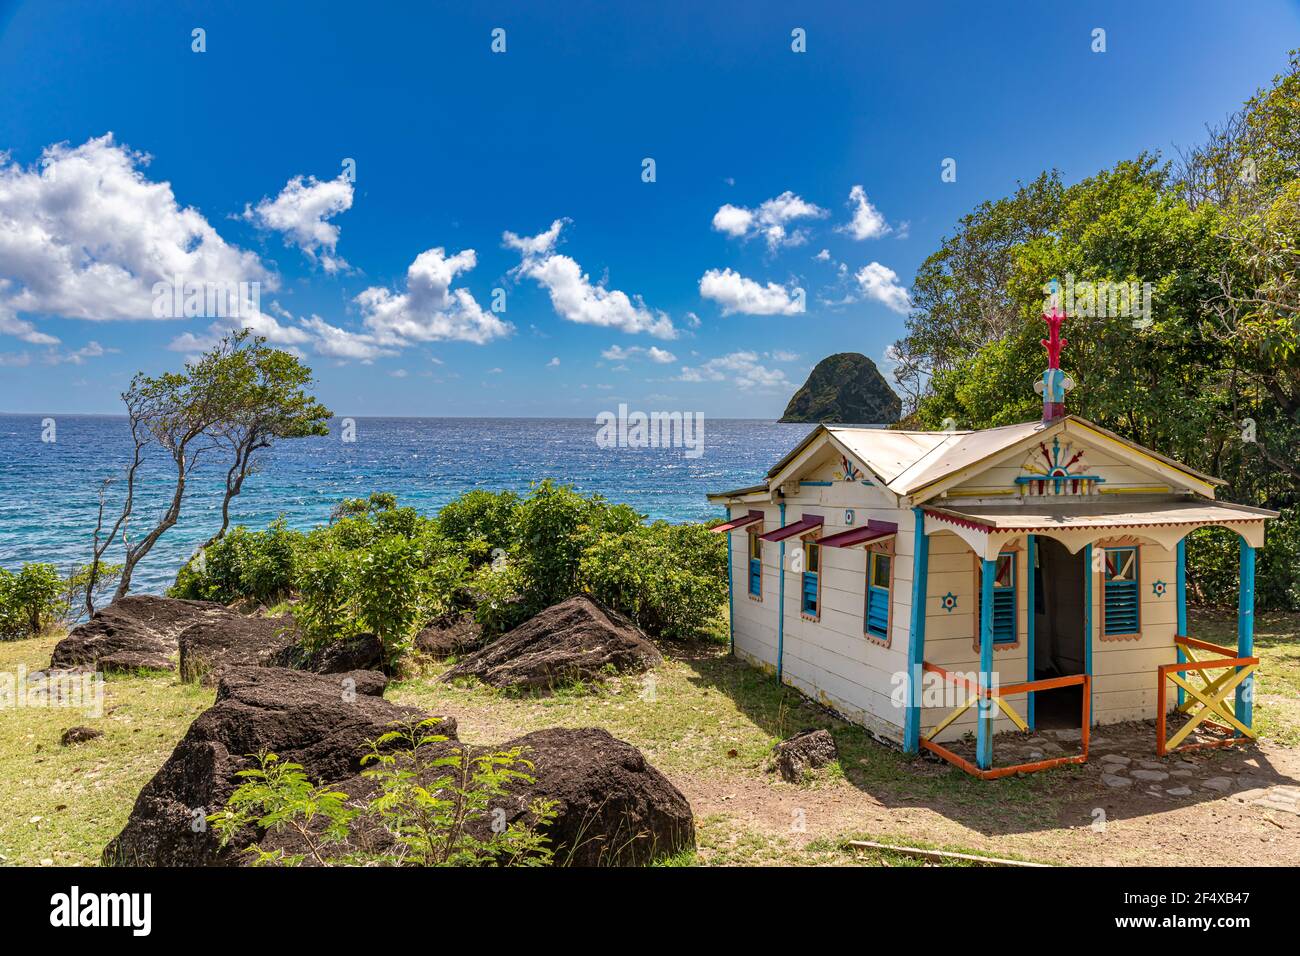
{"points": [[30, 600], [1210, 376], [38, 596], [384, 569]]}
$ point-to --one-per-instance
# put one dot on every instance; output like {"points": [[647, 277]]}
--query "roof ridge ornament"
{"points": [[1054, 383]]}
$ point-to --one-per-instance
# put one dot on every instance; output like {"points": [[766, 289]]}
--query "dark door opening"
{"points": [[1058, 632]]}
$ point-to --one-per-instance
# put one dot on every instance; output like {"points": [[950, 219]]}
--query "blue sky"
{"points": [[680, 294]]}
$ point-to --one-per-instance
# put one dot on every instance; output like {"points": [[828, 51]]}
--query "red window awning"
{"points": [[872, 531], [802, 526], [735, 523]]}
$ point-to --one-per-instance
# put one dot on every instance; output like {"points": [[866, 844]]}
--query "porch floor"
{"points": [[1124, 753]]}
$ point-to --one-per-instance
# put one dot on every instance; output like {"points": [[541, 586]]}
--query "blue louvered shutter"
{"points": [[878, 611], [810, 593], [1121, 592]]}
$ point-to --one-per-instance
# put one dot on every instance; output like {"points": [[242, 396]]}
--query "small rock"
{"points": [[1181, 773], [1117, 759], [1179, 791], [1151, 764], [805, 751], [1221, 784], [1150, 774], [1116, 782], [79, 735]]}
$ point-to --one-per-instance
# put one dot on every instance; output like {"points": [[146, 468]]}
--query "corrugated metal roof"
{"points": [[908, 461], [941, 453]]}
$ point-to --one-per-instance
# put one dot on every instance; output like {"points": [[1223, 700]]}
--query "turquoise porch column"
{"points": [[916, 636], [1031, 552], [1245, 702], [780, 609], [985, 705], [1089, 572], [1180, 592], [731, 591]]}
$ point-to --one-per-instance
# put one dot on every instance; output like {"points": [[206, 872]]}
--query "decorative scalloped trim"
{"points": [[878, 641], [1112, 638]]}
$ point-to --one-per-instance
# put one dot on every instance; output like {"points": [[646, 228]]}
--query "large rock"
{"points": [[575, 640], [808, 750], [359, 652], [322, 722], [210, 647], [846, 388], [613, 808], [450, 636], [138, 631]]}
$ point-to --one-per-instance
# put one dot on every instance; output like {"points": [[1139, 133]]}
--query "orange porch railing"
{"points": [[997, 695]]}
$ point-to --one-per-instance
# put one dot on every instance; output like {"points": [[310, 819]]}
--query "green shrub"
{"points": [[243, 564], [31, 600], [479, 515], [326, 584], [556, 524], [434, 801], [498, 592], [390, 588], [670, 579]]}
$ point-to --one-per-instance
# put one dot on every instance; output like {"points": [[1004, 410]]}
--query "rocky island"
{"points": [[846, 388]]}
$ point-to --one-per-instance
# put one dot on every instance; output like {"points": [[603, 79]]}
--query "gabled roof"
{"points": [[911, 463]]}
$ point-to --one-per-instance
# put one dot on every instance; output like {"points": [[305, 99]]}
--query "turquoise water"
{"points": [[48, 490]]}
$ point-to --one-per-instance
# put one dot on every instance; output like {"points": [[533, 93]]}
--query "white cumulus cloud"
{"points": [[575, 297], [742, 368], [85, 234], [301, 211], [430, 310], [738, 294], [881, 283], [867, 222], [616, 353], [770, 220]]}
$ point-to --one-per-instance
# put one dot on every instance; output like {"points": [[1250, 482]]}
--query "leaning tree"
{"points": [[234, 401]]}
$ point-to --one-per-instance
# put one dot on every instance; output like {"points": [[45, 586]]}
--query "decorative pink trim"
{"points": [[968, 523], [802, 526], [735, 523]]}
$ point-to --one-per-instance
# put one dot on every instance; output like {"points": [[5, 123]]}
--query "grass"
{"points": [[61, 805], [1277, 645], [703, 718]]}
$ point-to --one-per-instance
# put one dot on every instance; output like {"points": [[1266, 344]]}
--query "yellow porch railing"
{"points": [[1206, 700]]}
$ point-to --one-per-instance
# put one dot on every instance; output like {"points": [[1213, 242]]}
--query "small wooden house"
{"points": [[931, 584]]}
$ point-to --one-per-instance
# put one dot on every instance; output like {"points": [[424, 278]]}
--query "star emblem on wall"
{"points": [[948, 602], [1158, 588]]}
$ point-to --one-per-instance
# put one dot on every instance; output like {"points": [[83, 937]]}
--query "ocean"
{"points": [[49, 488]]}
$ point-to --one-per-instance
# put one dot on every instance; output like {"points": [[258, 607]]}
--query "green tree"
{"points": [[236, 398]]}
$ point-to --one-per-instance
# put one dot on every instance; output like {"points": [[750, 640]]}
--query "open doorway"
{"points": [[1058, 631]]}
